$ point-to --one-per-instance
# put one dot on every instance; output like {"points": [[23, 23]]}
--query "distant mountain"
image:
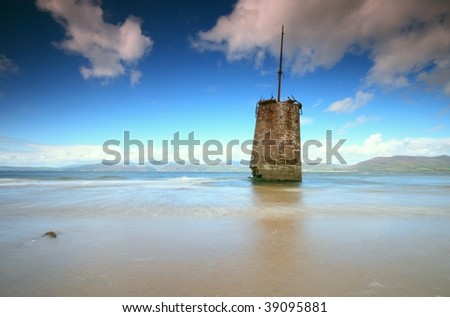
{"points": [[404, 164], [394, 164]]}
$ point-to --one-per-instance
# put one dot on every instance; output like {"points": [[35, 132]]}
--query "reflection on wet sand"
{"points": [[278, 194], [278, 248]]}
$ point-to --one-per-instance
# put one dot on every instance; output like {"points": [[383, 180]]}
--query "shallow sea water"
{"points": [[222, 234]]}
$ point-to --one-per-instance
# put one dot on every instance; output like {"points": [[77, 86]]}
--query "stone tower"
{"points": [[276, 153]]}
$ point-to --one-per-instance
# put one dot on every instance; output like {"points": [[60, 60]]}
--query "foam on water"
{"points": [[219, 194]]}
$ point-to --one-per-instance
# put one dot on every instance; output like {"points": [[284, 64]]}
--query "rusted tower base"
{"points": [[276, 149]]}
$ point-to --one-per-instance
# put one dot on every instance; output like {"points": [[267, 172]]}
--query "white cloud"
{"points": [[412, 53], [357, 122], [306, 120], [7, 65], [110, 49], [374, 146], [435, 128], [135, 75], [350, 104], [406, 40], [317, 103], [19, 152], [438, 77]]}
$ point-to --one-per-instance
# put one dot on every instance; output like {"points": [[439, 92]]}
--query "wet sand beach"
{"points": [[224, 235]]}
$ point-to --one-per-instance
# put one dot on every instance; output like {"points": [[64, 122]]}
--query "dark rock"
{"points": [[50, 234]]}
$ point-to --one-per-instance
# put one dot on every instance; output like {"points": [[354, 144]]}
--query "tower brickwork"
{"points": [[276, 147]]}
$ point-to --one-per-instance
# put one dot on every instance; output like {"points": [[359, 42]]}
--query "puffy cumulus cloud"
{"points": [[407, 40], [350, 104], [438, 77], [111, 50], [422, 52], [375, 145], [7, 65]]}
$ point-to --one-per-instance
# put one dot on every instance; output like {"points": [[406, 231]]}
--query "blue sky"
{"points": [[74, 74]]}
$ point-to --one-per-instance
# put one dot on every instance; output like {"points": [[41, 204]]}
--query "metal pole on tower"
{"points": [[280, 71]]}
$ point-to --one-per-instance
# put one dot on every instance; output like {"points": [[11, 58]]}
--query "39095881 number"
{"points": [[299, 307]]}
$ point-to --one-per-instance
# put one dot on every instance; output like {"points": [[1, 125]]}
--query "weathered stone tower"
{"points": [[276, 149]]}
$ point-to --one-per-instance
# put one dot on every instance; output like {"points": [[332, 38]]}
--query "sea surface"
{"points": [[223, 234]]}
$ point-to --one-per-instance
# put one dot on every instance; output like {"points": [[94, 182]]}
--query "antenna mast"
{"points": [[280, 72]]}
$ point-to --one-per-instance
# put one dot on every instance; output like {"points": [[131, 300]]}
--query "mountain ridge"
{"points": [[403, 164], [381, 164]]}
